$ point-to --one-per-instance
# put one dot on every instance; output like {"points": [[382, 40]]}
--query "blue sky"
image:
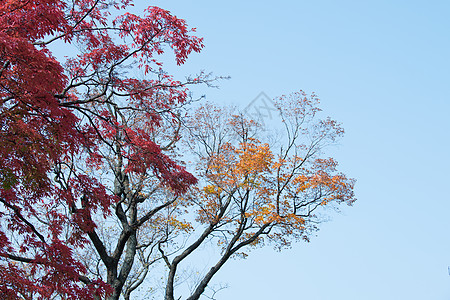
{"points": [[382, 69]]}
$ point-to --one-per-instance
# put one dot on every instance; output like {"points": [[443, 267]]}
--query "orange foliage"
{"points": [[256, 191]]}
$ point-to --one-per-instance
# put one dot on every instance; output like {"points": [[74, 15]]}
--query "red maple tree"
{"points": [[61, 121], [92, 195]]}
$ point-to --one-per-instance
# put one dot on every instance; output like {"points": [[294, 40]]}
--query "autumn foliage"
{"points": [[61, 119], [93, 193], [256, 188]]}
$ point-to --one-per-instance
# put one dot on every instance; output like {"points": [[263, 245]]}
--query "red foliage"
{"points": [[52, 114]]}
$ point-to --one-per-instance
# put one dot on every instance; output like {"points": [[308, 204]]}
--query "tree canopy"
{"points": [[94, 193]]}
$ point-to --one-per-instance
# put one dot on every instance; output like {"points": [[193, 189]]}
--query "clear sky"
{"points": [[382, 69]]}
